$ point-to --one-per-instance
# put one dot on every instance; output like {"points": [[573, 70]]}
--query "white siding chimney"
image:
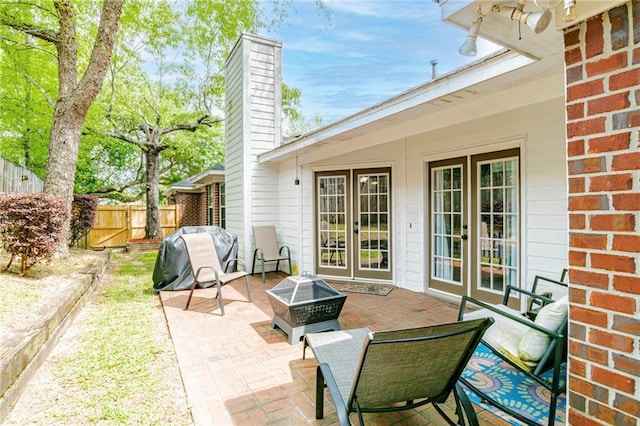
{"points": [[253, 105]]}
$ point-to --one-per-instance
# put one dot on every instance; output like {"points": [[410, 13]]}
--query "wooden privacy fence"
{"points": [[18, 179], [115, 225]]}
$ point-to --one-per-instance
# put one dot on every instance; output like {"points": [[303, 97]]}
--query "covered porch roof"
{"points": [[497, 83]]}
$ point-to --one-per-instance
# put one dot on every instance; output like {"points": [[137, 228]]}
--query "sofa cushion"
{"points": [[534, 343], [505, 334]]}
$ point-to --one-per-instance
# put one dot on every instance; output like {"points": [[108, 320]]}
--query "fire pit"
{"points": [[305, 304]]}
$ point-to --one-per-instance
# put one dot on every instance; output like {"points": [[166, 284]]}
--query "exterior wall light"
{"points": [[536, 21], [469, 47], [570, 12]]}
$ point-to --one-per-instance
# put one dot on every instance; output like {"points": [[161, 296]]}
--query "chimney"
{"points": [[253, 105], [434, 71]]}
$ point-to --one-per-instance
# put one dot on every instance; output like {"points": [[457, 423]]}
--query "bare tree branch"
{"points": [[43, 92], [191, 127], [127, 138], [38, 32]]}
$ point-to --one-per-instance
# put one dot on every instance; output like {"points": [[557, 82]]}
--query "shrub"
{"points": [[31, 226], [83, 215]]}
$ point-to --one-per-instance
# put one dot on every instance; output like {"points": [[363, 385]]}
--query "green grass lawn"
{"points": [[122, 360], [116, 363]]}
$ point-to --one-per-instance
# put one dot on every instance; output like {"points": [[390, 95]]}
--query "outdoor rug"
{"points": [[504, 383], [377, 289]]}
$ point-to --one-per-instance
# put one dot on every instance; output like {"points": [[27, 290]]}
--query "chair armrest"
{"points": [[336, 397], [238, 260], [523, 291], [258, 253], [197, 273], [519, 319], [549, 280], [285, 247]]}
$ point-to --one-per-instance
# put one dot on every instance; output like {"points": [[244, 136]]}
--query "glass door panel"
{"points": [[372, 246], [448, 230], [332, 192], [496, 206]]}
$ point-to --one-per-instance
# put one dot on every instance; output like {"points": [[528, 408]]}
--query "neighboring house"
{"points": [[521, 163], [200, 198]]}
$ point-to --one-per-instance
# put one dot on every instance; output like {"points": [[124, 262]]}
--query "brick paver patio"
{"points": [[238, 370]]}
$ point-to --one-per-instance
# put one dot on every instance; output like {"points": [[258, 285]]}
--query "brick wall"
{"points": [[602, 58], [192, 209]]}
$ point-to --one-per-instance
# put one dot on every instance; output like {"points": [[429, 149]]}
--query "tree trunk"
{"points": [[75, 98], [153, 229], [62, 159]]}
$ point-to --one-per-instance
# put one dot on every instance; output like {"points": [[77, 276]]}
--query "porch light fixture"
{"points": [[570, 13], [469, 47], [536, 21]]}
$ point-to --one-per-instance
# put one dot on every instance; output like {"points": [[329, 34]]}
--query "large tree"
{"points": [[76, 90], [157, 117]]}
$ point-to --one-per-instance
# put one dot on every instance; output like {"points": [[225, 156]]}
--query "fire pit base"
{"points": [[295, 333], [305, 304]]}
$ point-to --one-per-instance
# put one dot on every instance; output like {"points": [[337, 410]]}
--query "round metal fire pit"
{"points": [[305, 304]]}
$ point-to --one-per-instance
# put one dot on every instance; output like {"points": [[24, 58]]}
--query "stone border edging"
{"points": [[28, 349]]}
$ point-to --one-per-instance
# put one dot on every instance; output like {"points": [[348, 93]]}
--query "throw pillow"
{"points": [[534, 343]]}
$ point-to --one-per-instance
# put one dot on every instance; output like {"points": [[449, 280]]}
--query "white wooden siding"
{"points": [[253, 93], [538, 130]]}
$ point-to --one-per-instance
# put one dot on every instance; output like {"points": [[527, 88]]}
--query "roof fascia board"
{"points": [[207, 173], [484, 69]]}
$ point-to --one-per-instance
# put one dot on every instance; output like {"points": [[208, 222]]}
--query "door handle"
{"points": [[464, 236], [355, 231]]}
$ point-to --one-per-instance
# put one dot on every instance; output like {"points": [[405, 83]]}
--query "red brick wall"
{"points": [[192, 209], [602, 58]]}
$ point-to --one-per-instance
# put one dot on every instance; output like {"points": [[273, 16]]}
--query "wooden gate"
{"points": [[115, 225]]}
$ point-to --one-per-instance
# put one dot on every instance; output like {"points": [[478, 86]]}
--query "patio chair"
{"points": [[536, 348], [331, 245], [550, 289], [206, 266], [267, 249], [373, 372]]}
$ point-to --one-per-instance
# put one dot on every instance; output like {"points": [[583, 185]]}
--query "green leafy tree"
{"points": [[157, 118], [169, 106], [78, 83]]}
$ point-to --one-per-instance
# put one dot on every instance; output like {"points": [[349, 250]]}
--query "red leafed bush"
{"points": [[83, 215], [31, 226]]}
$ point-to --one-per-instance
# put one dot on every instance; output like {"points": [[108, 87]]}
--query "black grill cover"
{"points": [[172, 270]]}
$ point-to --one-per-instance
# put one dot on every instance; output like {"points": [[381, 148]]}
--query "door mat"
{"points": [[512, 388], [377, 289]]}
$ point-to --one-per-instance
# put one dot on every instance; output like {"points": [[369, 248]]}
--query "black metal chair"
{"points": [[533, 347], [372, 372]]}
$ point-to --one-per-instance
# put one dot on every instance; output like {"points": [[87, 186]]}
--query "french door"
{"points": [[353, 223], [474, 222]]}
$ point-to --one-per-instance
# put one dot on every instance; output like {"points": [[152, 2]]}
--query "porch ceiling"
{"points": [[449, 100]]}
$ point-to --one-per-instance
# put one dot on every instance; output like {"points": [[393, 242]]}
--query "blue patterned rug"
{"points": [[504, 383]]}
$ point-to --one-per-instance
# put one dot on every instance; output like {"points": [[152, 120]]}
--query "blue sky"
{"points": [[369, 51]]}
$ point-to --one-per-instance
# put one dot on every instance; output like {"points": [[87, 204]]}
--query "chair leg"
{"points": [[193, 286], [464, 409], [253, 267], [264, 277], [219, 295], [246, 281], [319, 394], [278, 266]]}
